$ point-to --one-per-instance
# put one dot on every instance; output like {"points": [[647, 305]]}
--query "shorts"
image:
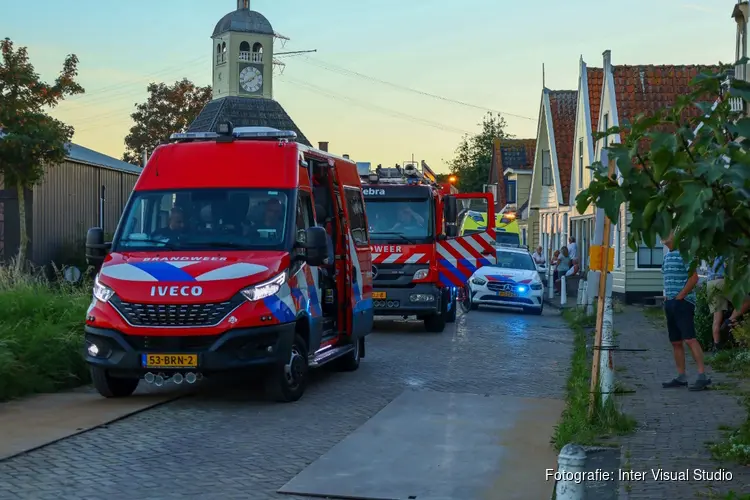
{"points": [[680, 315], [716, 299]]}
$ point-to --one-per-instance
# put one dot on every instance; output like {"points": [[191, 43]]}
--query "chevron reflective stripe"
{"points": [[392, 258], [399, 258], [414, 258]]}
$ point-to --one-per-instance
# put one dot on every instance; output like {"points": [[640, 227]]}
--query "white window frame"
{"points": [[643, 246], [617, 241], [547, 178], [580, 163]]}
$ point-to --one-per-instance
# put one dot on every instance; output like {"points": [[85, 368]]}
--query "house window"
{"points": [[580, 163], [510, 191], [650, 258], [546, 169]]}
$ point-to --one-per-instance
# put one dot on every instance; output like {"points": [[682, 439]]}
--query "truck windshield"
{"points": [[507, 238], [204, 219], [397, 220]]}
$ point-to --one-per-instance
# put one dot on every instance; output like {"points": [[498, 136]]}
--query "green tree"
{"points": [[473, 156], [31, 140], [168, 109], [695, 180]]}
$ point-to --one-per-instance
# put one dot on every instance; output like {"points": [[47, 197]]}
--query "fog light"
{"points": [[93, 350], [421, 297]]}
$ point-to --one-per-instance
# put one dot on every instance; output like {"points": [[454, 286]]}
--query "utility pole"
{"points": [[600, 282]]}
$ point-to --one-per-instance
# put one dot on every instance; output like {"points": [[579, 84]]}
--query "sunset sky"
{"points": [[487, 54]]}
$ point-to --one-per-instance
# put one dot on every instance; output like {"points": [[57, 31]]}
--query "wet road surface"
{"points": [[230, 443]]}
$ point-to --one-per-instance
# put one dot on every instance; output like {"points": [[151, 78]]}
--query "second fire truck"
{"points": [[419, 260]]}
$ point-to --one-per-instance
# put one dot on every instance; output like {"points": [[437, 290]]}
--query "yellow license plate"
{"points": [[169, 360], [506, 294], [378, 295]]}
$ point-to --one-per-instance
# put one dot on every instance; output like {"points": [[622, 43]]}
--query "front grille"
{"points": [[175, 315], [177, 344], [496, 286]]}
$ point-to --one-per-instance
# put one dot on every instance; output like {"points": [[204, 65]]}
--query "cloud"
{"points": [[698, 7]]}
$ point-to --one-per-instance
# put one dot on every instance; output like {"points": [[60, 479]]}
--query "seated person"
{"points": [[407, 218], [573, 271], [270, 225], [176, 226]]}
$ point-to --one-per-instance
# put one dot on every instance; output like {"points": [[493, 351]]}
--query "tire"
{"points": [[435, 323], [287, 383], [536, 311], [474, 306], [452, 313], [350, 361], [111, 387]]}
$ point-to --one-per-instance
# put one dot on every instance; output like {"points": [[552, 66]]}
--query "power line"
{"points": [[344, 71], [373, 107]]}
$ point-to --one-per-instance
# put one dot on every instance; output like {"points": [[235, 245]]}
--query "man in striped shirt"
{"points": [[679, 308]]}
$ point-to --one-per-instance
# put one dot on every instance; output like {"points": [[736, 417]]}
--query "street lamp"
{"points": [[452, 179]]}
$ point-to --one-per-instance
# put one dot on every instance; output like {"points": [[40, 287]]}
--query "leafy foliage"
{"points": [[31, 139], [703, 318], [168, 109], [473, 156], [675, 175]]}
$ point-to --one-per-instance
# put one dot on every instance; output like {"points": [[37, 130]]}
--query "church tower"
{"points": [[242, 60], [243, 54]]}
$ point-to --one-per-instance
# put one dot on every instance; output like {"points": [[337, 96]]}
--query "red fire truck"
{"points": [[420, 263], [235, 251]]}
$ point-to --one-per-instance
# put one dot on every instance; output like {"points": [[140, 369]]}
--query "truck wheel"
{"points": [[111, 387], [286, 383], [350, 361], [452, 313], [435, 323]]}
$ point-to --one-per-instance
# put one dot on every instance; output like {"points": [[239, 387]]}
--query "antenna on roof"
{"points": [[544, 85]]}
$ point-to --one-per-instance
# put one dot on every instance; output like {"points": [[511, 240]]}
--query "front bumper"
{"points": [[236, 349], [527, 299], [398, 301]]}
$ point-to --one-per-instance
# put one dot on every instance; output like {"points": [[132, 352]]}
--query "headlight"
{"points": [[536, 286], [479, 281], [102, 292], [421, 274], [265, 289]]}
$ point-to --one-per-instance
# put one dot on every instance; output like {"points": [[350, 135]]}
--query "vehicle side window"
{"points": [[304, 215], [356, 208]]}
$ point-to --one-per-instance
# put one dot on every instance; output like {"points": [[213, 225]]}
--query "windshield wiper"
{"points": [[397, 234], [166, 244]]}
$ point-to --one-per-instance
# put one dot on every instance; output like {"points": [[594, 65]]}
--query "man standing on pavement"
{"points": [[538, 257], [679, 308], [572, 248]]}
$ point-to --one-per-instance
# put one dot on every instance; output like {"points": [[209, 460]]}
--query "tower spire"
{"points": [[243, 4]]}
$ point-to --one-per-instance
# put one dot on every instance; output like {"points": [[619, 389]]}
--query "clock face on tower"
{"points": [[251, 79]]}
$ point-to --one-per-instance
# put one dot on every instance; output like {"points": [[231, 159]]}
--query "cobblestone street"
{"points": [[229, 444], [674, 425]]}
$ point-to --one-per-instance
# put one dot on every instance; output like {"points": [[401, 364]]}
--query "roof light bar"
{"points": [[266, 132], [184, 136]]}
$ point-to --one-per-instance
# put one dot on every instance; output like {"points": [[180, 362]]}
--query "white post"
{"points": [[607, 363], [563, 291], [550, 282], [579, 297], [589, 301], [571, 464]]}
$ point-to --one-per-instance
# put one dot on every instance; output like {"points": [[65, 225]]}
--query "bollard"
{"points": [[563, 291], [606, 363], [571, 465], [589, 301], [579, 298], [550, 283]]}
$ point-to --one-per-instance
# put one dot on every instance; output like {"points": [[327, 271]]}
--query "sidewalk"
{"points": [[673, 425]]}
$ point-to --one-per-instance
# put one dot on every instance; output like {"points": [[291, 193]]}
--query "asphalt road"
{"points": [[230, 444]]}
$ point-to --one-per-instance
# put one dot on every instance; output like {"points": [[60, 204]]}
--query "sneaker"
{"points": [[700, 384], [674, 383]]}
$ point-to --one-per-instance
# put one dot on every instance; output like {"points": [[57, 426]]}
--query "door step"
{"points": [[329, 354]]}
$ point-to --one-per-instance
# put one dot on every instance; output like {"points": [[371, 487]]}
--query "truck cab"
{"points": [[233, 253], [420, 262]]}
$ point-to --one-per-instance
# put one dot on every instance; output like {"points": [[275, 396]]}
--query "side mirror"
{"points": [[316, 245], [96, 248], [450, 214], [442, 237]]}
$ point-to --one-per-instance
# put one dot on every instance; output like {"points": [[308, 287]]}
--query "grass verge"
{"points": [[735, 444], [41, 333], [575, 425]]}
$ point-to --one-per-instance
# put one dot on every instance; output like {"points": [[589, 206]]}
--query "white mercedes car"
{"points": [[513, 282]]}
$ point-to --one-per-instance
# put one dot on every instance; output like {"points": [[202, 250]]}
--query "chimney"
{"points": [[243, 4], [607, 60], [323, 146], [346, 156]]}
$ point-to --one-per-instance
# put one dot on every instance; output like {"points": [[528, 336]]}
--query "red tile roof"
{"points": [[563, 104], [646, 89], [595, 78]]}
